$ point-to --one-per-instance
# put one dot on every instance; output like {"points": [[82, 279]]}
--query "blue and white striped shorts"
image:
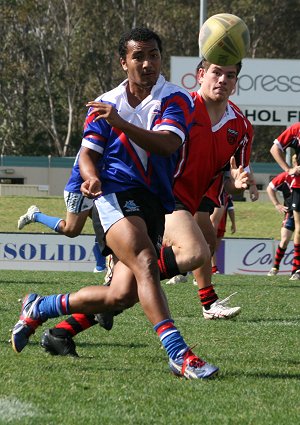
{"points": [[76, 202]]}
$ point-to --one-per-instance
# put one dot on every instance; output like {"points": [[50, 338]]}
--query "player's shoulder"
{"points": [[170, 89], [112, 95], [236, 109], [196, 96], [292, 132], [239, 114], [295, 127], [280, 178]]}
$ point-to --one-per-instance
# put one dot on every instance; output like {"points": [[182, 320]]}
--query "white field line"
{"points": [[12, 409]]}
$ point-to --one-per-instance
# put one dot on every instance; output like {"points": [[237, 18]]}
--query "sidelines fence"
{"points": [[251, 256], [53, 252], [49, 252]]}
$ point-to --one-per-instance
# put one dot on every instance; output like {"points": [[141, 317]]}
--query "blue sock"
{"points": [[47, 220], [170, 338], [53, 306], [100, 260]]}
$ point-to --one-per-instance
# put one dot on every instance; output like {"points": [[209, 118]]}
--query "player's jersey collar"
{"points": [[160, 82], [229, 114]]}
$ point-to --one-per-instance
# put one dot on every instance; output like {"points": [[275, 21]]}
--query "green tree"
{"points": [[57, 54]]}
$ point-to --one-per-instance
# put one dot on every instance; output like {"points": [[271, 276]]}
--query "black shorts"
{"points": [[289, 222], [134, 202], [207, 205], [296, 200], [179, 206]]}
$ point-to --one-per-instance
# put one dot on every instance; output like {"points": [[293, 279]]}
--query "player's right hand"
{"points": [[295, 171], [91, 188], [282, 209]]}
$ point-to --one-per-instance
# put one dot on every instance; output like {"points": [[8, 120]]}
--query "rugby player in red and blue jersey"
{"points": [[137, 130]]}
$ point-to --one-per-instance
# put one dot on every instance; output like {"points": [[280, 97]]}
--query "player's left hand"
{"points": [[239, 175], [253, 192], [106, 111]]}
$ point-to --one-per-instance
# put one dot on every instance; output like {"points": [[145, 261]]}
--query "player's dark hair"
{"points": [[137, 34], [205, 64]]}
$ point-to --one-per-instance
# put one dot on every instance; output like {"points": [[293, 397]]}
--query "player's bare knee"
{"points": [[146, 265], [122, 300], [70, 233], [200, 260], [199, 255]]}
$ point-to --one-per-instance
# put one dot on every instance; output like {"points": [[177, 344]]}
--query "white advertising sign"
{"points": [[32, 251], [268, 90], [252, 256], [51, 252]]}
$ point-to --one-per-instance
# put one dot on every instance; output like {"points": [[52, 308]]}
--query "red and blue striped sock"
{"points": [[53, 306], [170, 338]]}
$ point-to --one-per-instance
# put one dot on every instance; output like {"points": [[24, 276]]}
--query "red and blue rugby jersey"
{"points": [[291, 138], [209, 150], [124, 164], [75, 179], [282, 183]]}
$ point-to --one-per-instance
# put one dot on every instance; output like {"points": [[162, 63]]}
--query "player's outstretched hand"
{"points": [[239, 175], [106, 111]]}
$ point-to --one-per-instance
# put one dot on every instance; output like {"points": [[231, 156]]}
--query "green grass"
{"points": [[122, 376], [12, 207], [254, 219]]}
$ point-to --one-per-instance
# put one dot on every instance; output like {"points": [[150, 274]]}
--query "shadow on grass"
{"points": [[251, 284], [28, 282], [289, 320], [97, 344], [109, 344], [262, 375]]}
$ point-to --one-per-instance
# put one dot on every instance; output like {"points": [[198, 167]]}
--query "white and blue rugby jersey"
{"points": [[124, 164], [75, 179]]}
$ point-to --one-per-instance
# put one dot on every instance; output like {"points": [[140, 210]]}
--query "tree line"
{"points": [[55, 55]]}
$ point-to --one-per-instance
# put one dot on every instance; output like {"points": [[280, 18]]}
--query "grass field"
{"points": [[122, 376], [254, 219]]}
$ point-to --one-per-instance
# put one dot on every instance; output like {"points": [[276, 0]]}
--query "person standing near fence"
{"points": [[290, 138]]}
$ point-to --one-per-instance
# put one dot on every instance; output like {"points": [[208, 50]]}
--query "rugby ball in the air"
{"points": [[224, 39]]}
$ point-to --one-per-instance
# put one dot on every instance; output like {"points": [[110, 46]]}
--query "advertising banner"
{"points": [[251, 256], [53, 252], [267, 90]]}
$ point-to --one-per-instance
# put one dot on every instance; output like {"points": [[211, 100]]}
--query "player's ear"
{"points": [[200, 74], [123, 64]]}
